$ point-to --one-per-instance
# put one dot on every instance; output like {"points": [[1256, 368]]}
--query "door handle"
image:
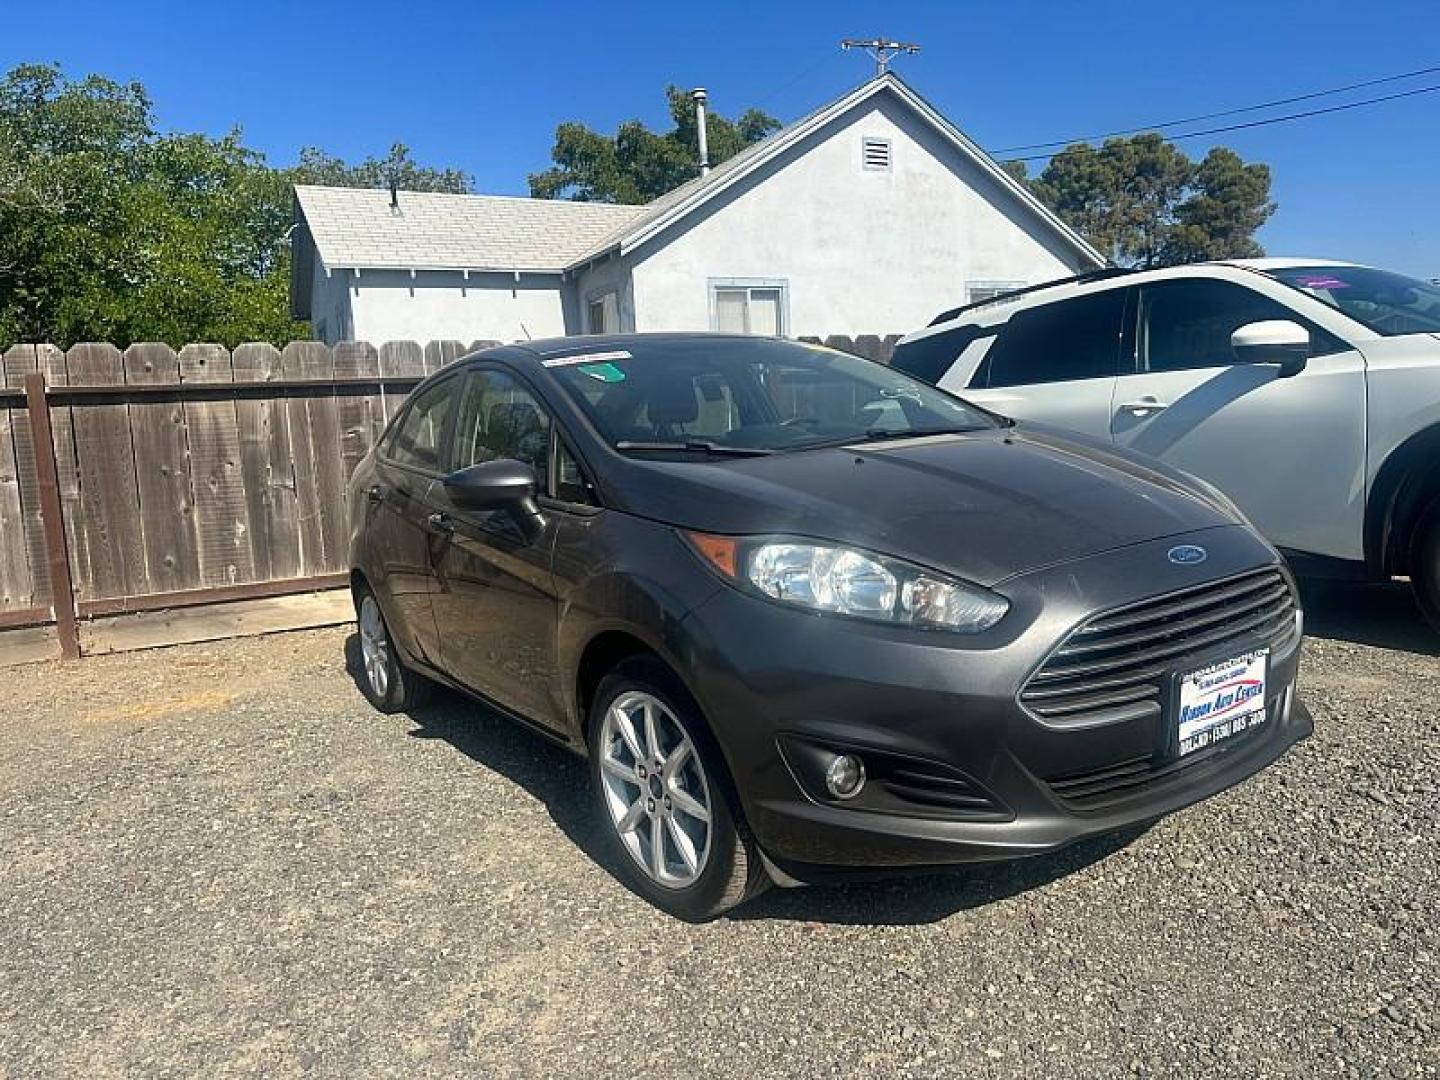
{"points": [[440, 523], [1144, 406], [375, 494]]}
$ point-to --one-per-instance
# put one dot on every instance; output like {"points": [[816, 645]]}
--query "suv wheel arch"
{"points": [[1404, 488]]}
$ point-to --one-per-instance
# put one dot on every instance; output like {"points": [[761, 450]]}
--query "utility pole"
{"points": [[882, 50]]}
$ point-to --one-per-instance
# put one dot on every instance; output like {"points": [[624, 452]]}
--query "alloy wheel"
{"points": [[656, 789], [374, 647]]}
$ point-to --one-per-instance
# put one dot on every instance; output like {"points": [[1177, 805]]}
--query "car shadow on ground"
{"points": [[560, 781], [1382, 615]]}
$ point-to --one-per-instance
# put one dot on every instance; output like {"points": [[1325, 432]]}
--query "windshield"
{"points": [[722, 394], [1388, 303]]}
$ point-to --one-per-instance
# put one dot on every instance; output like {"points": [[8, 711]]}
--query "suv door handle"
{"points": [[1144, 406], [440, 523]]}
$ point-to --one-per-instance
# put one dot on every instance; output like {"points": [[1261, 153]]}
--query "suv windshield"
{"points": [[716, 395], [1388, 303]]}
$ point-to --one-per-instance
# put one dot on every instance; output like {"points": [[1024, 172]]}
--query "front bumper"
{"points": [[961, 772]]}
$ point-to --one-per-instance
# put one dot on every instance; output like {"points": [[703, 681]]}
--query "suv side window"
{"points": [[500, 418], [1187, 324], [1060, 342], [416, 440]]}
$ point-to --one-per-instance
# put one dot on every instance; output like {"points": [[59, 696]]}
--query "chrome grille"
{"points": [[1114, 667]]}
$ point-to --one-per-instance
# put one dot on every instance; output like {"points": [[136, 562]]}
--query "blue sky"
{"points": [[481, 86]]}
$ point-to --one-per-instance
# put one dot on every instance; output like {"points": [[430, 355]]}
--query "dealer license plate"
{"points": [[1222, 700]]}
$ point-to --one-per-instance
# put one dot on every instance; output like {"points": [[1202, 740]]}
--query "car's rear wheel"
{"points": [[1425, 564], [664, 797], [386, 682]]}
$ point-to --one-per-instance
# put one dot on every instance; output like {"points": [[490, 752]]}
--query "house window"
{"points": [[980, 291], [749, 307], [875, 153], [602, 314]]}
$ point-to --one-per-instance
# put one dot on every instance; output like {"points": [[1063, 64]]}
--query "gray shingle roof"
{"points": [[353, 227]]}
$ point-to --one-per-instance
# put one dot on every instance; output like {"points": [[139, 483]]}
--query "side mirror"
{"points": [[503, 484], [1274, 341]]}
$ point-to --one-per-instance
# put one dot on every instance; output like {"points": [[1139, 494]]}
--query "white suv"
{"points": [[1307, 390]]}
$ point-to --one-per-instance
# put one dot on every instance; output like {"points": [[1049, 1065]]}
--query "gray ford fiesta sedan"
{"points": [[808, 616]]}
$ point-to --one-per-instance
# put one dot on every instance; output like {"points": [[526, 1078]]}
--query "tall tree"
{"points": [[398, 168], [636, 164], [113, 231], [1143, 202]]}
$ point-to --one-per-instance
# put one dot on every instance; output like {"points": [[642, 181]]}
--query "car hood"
{"points": [[984, 506]]}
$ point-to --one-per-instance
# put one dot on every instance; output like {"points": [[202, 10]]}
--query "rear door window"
{"points": [[1059, 342]]}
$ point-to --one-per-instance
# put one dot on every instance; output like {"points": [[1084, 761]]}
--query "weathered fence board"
{"points": [[296, 365], [440, 353], [265, 466], [19, 361], [17, 587], [105, 458], [318, 364], [51, 361], [400, 359], [162, 473], [362, 417], [213, 435]]}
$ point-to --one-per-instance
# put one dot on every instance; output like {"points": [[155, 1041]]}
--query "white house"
{"points": [[868, 216]]}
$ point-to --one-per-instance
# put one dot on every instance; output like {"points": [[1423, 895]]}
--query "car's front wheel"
{"points": [[386, 682], [664, 797], [1425, 564]]}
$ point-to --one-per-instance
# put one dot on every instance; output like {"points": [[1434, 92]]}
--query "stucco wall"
{"points": [[388, 305], [860, 251]]}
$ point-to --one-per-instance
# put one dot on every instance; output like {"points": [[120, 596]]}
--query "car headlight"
{"points": [[840, 580]]}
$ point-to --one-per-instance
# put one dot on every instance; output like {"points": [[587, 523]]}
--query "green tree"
{"points": [[318, 167], [636, 165], [113, 231], [1143, 202]]}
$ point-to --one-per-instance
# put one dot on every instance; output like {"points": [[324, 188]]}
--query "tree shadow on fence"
{"points": [[560, 781]]}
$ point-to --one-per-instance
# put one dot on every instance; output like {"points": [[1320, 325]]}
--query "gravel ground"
{"points": [[215, 859]]}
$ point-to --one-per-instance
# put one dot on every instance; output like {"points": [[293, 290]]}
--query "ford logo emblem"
{"points": [[1187, 554]]}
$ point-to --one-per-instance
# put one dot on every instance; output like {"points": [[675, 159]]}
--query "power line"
{"points": [[1260, 123], [1224, 112]]}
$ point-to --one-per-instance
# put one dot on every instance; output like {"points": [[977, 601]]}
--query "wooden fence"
{"points": [[150, 479]]}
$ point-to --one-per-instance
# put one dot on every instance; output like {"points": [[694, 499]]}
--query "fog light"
{"points": [[845, 776]]}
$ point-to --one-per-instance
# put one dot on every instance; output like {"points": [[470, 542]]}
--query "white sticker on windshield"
{"points": [[586, 358]]}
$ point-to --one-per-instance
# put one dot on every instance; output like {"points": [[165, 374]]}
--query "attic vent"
{"points": [[875, 153]]}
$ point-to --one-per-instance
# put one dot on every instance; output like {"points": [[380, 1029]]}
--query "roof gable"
{"points": [[659, 215]]}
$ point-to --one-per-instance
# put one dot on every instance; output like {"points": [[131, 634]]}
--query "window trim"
{"points": [[597, 296], [1000, 286], [715, 284]]}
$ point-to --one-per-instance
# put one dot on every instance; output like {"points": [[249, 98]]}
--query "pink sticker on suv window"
{"points": [[1322, 281]]}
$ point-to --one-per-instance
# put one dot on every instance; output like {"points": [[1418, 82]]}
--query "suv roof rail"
{"points": [[1000, 298]]}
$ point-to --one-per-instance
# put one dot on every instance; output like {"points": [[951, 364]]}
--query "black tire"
{"points": [[1425, 564], [732, 873], [384, 679]]}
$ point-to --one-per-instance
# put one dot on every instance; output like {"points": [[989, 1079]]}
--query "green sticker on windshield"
{"points": [[604, 372]]}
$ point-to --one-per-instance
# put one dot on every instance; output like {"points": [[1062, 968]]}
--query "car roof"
{"points": [[596, 343], [998, 309]]}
